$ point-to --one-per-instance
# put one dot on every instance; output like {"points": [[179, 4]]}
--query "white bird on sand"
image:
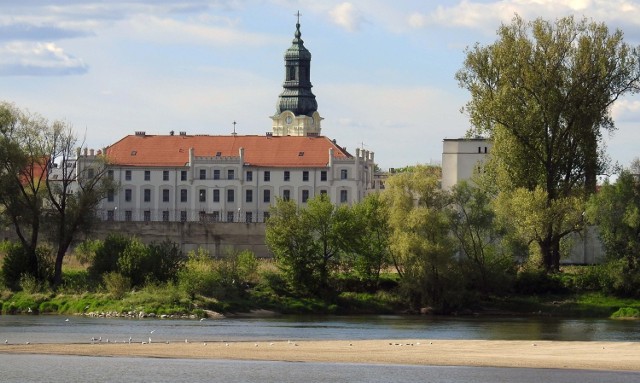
{"points": [[149, 340], [186, 341], [6, 341]]}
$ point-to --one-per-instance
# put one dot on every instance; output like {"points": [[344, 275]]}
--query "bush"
{"points": [[16, 265], [116, 284], [106, 256], [626, 313], [531, 281]]}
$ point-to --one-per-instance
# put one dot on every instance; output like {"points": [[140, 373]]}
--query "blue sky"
{"points": [[383, 71]]}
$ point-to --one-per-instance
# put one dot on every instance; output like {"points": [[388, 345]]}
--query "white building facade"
{"points": [[237, 178], [461, 157]]}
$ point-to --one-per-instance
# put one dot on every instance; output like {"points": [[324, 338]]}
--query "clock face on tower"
{"points": [[288, 119]]}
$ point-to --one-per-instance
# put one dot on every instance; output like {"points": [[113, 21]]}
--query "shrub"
{"points": [[116, 284], [626, 313], [106, 256], [16, 264], [85, 252]]}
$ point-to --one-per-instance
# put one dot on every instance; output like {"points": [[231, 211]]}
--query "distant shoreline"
{"points": [[624, 356]]}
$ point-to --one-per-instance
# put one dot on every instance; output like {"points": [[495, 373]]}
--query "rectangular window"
{"points": [[110, 174], [183, 195], [249, 196], [165, 216], [229, 216], [249, 176], [165, 195], [183, 175], [216, 216], [216, 174], [323, 175], [286, 195], [110, 195], [128, 216], [147, 195], [127, 175], [216, 195], [230, 174], [165, 175], [343, 196], [266, 216], [202, 195], [110, 215], [230, 195], [287, 175], [91, 173], [248, 217], [127, 195], [267, 176], [147, 215], [266, 196], [147, 175], [203, 174], [323, 192], [305, 196], [305, 175], [183, 216], [343, 174]]}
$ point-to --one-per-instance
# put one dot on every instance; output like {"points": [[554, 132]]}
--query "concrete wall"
{"points": [[215, 237]]}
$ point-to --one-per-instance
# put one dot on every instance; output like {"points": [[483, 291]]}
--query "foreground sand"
{"points": [[538, 354]]}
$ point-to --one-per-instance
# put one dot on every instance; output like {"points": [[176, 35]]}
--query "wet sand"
{"points": [[538, 354]]}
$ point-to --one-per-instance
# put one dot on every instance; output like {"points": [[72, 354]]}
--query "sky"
{"points": [[383, 72]]}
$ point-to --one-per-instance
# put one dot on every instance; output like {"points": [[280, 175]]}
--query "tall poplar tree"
{"points": [[543, 93]]}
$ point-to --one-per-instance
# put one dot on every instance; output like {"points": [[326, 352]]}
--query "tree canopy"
{"points": [[543, 93]]}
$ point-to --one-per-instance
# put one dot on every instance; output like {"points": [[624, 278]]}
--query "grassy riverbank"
{"points": [[267, 293]]}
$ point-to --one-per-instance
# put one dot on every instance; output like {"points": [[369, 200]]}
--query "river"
{"points": [[59, 329]]}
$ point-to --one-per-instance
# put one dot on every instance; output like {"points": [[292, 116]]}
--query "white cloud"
{"points": [[38, 59], [167, 30], [347, 16], [488, 15]]}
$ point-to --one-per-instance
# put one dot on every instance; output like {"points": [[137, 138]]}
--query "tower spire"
{"points": [[297, 109]]}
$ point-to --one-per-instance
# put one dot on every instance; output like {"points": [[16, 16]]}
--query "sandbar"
{"points": [[593, 355]]}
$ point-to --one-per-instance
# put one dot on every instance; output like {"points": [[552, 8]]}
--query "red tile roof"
{"points": [[265, 151]]}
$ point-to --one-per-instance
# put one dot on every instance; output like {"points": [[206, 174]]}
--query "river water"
{"points": [[58, 329]]}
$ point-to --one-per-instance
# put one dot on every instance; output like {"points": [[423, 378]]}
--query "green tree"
{"points": [[616, 211], [369, 244], [24, 164], [308, 242], [543, 93], [421, 244], [486, 266], [40, 199]]}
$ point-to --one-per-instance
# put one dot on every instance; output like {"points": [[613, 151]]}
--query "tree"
{"points": [[39, 195], [543, 93], [616, 211], [474, 225], [308, 242], [23, 178], [370, 242], [421, 244]]}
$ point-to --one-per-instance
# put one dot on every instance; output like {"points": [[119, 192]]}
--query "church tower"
{"points": [[297, 109]]}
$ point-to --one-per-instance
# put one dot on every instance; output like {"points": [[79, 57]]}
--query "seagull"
{"points": [[66, 320], [6, 341], [149, 340], [186, 341], [129, 339], [201, 319], [151, 332]]}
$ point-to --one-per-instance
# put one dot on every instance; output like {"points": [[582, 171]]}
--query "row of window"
{"points": [[202, 195], [231, 175], [215, 216]]}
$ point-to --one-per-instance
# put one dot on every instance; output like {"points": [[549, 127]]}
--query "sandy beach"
{"points": [[538, 354]]}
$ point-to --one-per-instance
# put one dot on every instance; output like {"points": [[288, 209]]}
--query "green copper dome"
{"points": [[296, 95]]}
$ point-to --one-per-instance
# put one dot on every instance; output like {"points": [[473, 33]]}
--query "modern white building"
{"points": [[236, 178], [461, 157]]}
